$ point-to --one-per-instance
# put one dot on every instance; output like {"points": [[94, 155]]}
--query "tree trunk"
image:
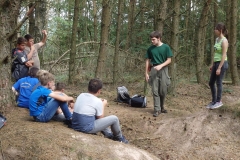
{"points": [[72, 64], [9, 11], [118, 30], [233, 42], [200, 41], [40, 24], [95, 21], [174, 43], [130, 24], [105, 23], [161, 16], [31, 22]]}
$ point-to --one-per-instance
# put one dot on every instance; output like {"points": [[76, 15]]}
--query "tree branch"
{"points": [[21, 22]]}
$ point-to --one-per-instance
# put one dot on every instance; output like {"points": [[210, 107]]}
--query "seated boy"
{"points": [[88, 115], [59, 88], [24, 86], [43, 110]]}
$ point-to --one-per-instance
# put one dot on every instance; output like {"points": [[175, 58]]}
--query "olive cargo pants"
{"points": [[159, 81]]}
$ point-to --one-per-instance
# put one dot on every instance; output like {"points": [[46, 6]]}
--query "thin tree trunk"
{"points": [[174, 43], [73, 44], [215, 9], [105, 23], [130, 23], [200, 41], [40, 24], [95, 21], [118, 30], [233, 42], [31, 22]]}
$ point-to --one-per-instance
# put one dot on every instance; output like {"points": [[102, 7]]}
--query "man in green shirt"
{"points": [[158, 56]]}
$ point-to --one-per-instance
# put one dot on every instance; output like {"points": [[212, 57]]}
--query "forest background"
{"points": [[108, 39]]}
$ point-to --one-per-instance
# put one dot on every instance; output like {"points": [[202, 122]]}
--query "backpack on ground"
{"points": [[123, 95], [138, 101], [2, 121], [134, 101]]}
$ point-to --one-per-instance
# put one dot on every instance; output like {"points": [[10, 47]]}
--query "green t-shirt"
{"points": [[218, 50], [158, 54]]}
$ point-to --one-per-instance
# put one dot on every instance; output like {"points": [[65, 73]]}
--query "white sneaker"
{"points": [[217, 105], [210, 105]]}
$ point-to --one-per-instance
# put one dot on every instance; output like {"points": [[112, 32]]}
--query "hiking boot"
{"points": [[122, 139], [210, 105], [217, 105], [163, 111], [156, 113]]}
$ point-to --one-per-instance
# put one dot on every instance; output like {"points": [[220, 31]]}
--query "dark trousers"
{"points": [[217, 96]]}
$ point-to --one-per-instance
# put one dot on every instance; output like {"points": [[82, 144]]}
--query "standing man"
{"points": [[88, 114], [30, 42], [158, 56]]}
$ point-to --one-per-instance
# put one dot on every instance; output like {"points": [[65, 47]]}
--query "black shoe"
{"points": [[163, 111], [68, 123], [156, 113], [122, 139]]}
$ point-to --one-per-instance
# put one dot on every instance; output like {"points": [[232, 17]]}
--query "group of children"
{"points": [[47, 101], [36, 90], [25, 86]]}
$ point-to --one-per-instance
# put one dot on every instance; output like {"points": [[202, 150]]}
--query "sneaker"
{"points": [[123, 139], [210, 105], [217, 105], [163, 111], [156, 113]]}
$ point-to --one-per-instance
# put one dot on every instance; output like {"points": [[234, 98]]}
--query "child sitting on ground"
{"points": [[24, 86], [43, 110], [59, 88]]}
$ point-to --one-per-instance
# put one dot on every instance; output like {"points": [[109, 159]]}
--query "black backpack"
{"points": [[138, 101], [134, 101]]}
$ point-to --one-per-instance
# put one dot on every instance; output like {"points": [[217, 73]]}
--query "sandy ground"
{"points": [[187, 131]]}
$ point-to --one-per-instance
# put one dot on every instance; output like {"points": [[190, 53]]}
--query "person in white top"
{"points": [[88, 114]]}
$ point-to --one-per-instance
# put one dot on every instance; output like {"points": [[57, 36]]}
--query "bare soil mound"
{"points": [[187, 131]]}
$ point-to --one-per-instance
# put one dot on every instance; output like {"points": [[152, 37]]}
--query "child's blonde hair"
{"points": [[46, 77], [40, 72]]}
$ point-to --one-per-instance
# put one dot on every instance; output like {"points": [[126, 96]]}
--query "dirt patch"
{"points": [[187, 131]]}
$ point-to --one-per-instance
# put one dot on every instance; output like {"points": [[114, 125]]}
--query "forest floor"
{"points": [[187, 131]]}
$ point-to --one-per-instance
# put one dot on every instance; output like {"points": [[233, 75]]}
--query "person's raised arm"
{"points": [[44, 38]]}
